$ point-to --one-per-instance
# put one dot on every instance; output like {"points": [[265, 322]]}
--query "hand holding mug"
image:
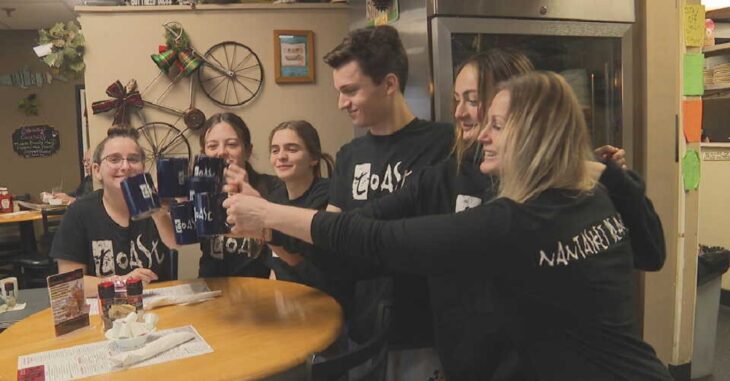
{"points": [[246, 214]]}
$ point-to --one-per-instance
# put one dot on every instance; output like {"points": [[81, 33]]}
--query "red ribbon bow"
{"points": [[122, 102]]}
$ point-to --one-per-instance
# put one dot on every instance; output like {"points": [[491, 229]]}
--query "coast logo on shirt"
{"points": [[221, 245], [363, 180], [107, 263], [464, 202]]}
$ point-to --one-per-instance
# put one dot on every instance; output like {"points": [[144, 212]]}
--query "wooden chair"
{"points": [[375, 350]]}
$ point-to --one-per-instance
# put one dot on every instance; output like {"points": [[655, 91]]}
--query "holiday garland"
{"points": [[66, 59]]}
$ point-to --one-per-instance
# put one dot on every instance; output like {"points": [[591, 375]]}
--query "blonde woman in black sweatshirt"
{"points": [[557, 249]]}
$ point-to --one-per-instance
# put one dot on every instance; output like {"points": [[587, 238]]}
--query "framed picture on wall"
{"points": [[294, 56]]}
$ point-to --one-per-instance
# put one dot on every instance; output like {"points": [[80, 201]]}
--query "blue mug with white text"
{"points": [[210, 166], [172, 176], [210, 215], [183, 223], [200, 184], [141, 196]]}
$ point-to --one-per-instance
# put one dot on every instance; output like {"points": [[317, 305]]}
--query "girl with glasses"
{"points": [[97, 233]]}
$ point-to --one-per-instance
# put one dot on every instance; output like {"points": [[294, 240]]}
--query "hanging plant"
{"points": [[66, 59], [382, 5], [29, 105]]}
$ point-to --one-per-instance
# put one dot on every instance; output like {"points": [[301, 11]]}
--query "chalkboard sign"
{"points": [[35, 141]]}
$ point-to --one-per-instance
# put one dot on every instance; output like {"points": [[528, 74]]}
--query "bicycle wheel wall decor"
{"points": [[232, 74]]}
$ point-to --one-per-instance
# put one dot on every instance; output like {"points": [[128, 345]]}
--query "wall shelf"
{"points": [[721, 14], [718, 88], [716, 50], [206, 7]]}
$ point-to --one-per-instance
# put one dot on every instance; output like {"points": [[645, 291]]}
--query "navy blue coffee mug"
{"points": [[141, 196], [210, 215], [183, 222], [209, 166], [172, 176], [201, 184]]}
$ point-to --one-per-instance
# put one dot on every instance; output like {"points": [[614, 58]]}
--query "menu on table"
{"points": [[68, 303], [95, 358]]}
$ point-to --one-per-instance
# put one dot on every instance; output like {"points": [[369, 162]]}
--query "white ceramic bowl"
{"points": [[130, 342]]}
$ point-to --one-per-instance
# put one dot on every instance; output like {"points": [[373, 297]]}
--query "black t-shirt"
{"points": [[466, 316], [229, 256], [370, 167], [88, 235], [316, 197], [562, 264]]}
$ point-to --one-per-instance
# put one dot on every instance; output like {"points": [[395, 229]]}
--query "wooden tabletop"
{"points": [[257, 328], [22, 216]]}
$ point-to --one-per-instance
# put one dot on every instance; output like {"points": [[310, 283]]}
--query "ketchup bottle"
{"points": [[6, 201], [134, 294]]}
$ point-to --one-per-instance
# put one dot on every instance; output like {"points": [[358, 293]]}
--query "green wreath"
{"points": [[66, 59]]}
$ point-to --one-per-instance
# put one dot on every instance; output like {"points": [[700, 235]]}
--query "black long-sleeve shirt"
{"points": [[315, 197], [562, 263]]}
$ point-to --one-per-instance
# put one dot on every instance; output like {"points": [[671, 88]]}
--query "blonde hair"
{"points": [[493, 67], [546, 141]]}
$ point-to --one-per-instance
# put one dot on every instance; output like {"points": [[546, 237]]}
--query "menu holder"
{"points": [[68, 303]]}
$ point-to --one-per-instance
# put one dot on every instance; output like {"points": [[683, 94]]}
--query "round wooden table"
{"points": [[257, 328]]}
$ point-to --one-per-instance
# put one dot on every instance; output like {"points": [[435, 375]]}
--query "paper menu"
{"points": [[95, 358], [68, 304]]}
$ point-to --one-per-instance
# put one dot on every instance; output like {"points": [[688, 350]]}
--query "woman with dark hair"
{"points": [[556, 248], [97, 233], [226, 135], [297, 157]]}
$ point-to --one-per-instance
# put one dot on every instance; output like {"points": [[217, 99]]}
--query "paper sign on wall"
{"points": [[694, 25], [693, 68], [691, 170], [692, 120]]}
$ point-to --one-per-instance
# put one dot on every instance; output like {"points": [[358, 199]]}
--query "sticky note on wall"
{"points": [[694, 25], [691, 170], [692, 120], [693, 68]]}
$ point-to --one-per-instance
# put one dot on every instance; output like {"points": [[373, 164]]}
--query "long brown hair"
{"points": [[493, 66], [310, 137], [243, 133], [545, 139]]}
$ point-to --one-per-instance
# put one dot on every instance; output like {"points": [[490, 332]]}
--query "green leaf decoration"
{"points": [[67, 53], [77, 66], [29, 105]]}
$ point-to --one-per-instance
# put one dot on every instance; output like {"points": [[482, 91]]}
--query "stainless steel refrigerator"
{"points": [[588, 41]]}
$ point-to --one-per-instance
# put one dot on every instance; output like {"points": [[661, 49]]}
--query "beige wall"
{"points": [[120, 41], [57, 108], [670, 293]]}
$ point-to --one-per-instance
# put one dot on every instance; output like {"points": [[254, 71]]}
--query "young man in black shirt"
{"points": [[370, 70]]}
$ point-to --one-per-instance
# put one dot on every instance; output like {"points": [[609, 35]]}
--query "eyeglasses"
{"points": [[115, 160]]}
